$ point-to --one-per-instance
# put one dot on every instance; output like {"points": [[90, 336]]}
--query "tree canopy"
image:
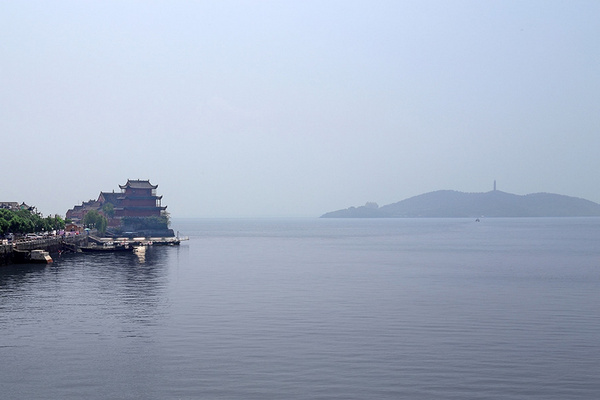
{"points": [[109, 210], [93, 219], [25, 221], [144, 223]]}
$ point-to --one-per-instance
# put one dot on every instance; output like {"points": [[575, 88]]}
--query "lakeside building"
{"points": [[137, 199], [77, 213], [74, 228], [14, 206]]}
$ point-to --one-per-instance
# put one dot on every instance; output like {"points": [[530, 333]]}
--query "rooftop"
{"points": [[138, 184]]}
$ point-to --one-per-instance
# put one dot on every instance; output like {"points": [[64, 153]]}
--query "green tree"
{"points": [[93, 219], [145, 223], [39, 224], [20, 224], [24, 221], [166, 216], [58, 223], [5, 217], [101, 224], [108, 209], [4, 225], [89, 220]]}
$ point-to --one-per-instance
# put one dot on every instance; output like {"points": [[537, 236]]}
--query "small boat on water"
{"points": [[37, 256], [107, 247], [40, 256]]}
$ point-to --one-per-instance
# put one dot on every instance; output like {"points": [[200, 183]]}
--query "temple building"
{"points": [[78, 212], [137, 199]]}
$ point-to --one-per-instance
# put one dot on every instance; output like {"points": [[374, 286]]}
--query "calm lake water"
{"points": [[314, 309]]}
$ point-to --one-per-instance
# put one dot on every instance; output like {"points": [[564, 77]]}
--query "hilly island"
{"points": [[495, 203]]}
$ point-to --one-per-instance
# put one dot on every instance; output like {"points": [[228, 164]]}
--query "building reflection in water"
{"points": [[140, 252]]}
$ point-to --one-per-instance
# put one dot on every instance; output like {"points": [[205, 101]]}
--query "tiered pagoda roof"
{"points": [[138, 184]]}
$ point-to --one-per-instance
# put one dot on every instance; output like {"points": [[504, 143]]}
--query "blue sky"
{"points": [[285, 108]]}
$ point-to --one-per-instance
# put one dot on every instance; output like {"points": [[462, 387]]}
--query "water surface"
{"points": [[305, 309]]}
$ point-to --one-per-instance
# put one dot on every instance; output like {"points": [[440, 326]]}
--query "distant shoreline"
{"points": [[493, 204]]}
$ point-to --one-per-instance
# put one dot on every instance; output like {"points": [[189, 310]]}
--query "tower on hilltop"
{"points": [[494, 185]]}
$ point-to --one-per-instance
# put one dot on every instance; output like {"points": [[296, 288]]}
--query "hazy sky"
{"points": [[296, 108]]}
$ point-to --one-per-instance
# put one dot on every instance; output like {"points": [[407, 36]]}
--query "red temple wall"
{"points": [[150, 202]]}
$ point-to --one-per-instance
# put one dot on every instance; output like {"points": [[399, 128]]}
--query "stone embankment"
{"points": [[53, 244]]}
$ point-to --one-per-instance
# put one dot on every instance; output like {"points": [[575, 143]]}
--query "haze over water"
{"points": [[313, 308], [239, 108]]}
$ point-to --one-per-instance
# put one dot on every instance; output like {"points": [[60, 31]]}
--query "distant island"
{"points": [[495, 203]]}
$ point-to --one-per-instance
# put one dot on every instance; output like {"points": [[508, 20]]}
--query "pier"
{"points": [[52, 244], [73, 243]]}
